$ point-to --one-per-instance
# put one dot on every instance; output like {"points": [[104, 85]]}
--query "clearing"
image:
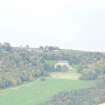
{"points": [[65, 75]]}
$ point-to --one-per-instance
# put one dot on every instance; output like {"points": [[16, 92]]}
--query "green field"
{"points": [[39, 91]]}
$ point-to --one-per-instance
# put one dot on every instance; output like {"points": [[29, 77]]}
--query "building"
{"points": [[63, 65]]}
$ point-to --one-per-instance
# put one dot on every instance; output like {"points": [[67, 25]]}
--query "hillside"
{"points": [[24, 64], [45, 75]]}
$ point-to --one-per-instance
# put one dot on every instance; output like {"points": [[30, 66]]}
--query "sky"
{"points": [[72, 24]]}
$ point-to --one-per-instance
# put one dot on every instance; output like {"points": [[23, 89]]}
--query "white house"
{"points": [[63, 64]]}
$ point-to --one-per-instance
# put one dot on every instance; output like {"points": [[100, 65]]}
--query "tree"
{"points": [[7, 46]]}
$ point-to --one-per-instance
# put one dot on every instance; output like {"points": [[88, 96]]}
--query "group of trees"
{"points": [[94, 71], [22, 64]]}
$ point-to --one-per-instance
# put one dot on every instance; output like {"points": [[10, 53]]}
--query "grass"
{"points": [[39, 91], [51, 62], [65, 75]]}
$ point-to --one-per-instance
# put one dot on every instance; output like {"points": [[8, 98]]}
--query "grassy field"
{"points": [[39, 91]]}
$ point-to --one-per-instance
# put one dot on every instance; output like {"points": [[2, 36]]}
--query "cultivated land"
{"points": [[39, 91]]}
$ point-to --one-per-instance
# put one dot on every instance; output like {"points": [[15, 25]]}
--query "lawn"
{"points": [[39, 91]]}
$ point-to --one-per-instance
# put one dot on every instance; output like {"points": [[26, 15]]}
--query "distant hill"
{"points": [[22, 64]]}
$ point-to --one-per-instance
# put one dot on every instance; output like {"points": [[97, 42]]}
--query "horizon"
{"points": [[32, 47]]}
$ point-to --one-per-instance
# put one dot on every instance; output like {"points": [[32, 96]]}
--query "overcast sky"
{"points": [[73, 24]]}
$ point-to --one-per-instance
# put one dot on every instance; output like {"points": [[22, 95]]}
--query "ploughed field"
{"points": [[39, 91]]}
